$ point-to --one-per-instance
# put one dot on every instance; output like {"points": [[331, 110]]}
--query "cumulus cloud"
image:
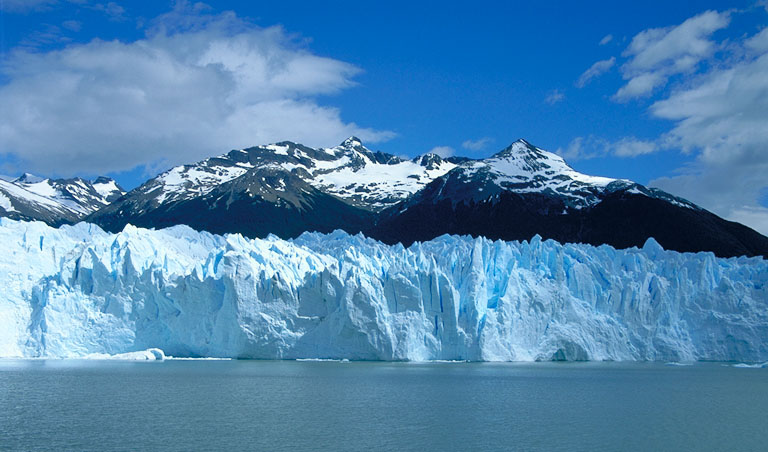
{"points": [[606, 39], [585, 148], [476, 145], [632, 147], [758, 43], [443, 151], [578, 149], [554, 97], [595, 70], [197, 85], [658, 53], [718, 114], [721, 116]]}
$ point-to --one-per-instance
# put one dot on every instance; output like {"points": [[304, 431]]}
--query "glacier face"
{"points": [[77, 291]]}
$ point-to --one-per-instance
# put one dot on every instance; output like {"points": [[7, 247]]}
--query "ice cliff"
{"points": [[77, 291]]}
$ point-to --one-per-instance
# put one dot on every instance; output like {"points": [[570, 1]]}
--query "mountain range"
{"points": [[288, 188]]}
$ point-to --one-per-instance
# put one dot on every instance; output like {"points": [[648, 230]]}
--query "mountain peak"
{"points": [[429, 160], [519, 147], [103, 180], [29, 178], [351, 142]]}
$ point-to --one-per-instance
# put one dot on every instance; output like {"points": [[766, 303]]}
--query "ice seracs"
{"points": [[78, 291]]}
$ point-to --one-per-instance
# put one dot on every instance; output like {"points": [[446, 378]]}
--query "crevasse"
{"points": [[77, 290]]}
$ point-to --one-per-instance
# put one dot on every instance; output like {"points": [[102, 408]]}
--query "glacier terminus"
{"points": [[76, 291]]}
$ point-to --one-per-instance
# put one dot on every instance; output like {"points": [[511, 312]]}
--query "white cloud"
{"points": [[577, 149], [197, 85], [655, 46], [641, 85], [584, 148], [754, 216], [606, 39], [554, 97], [443, 151], [718, 116], [595, 70], [730, 191], [476, 145], [632, 147], [721, 117], [759, 42], [658, 53]]}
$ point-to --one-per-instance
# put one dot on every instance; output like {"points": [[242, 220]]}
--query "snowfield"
{"points": [[78, 291]]}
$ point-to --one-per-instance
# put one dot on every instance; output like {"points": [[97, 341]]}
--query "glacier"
{"points": [[77, 291]]}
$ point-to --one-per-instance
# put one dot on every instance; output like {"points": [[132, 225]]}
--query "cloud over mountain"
{"points": [[197, 83]]}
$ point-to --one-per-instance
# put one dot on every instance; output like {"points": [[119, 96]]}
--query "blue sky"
{"points": [[671, 94]]}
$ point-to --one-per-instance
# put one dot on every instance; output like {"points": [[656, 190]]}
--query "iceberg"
{"points": [[77, 291]]}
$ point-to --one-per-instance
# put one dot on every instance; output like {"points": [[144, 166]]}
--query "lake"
{"points": [[288, 405]]}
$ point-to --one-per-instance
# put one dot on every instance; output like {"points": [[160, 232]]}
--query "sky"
{"points": [[669, 94]]}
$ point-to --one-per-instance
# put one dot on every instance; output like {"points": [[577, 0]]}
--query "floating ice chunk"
{"points": [[150, 354], [752, 366]]}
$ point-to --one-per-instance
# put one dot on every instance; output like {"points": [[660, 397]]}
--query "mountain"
{"points": [[524, 190], [55, 201], [80, 290], [284, 189], [287, 188]]}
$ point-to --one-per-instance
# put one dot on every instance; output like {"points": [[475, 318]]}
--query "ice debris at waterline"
{"points": [[150, 354], [78, 290]]}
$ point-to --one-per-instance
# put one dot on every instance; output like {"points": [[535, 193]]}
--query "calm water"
{"points": [[266, 405]]}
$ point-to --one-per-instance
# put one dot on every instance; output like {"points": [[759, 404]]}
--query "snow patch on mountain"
{"points": [[78, 196], [189, 181], [377, 184], [5, 203], [76, 290], [107, 188]]}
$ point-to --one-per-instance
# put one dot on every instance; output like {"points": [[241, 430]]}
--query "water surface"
{"points": [[283, 405]]}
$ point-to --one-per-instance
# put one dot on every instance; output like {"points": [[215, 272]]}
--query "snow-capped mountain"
{"points": [[349, 171], [524, 168], [288, 188], [524, 190], [55, 201], [284, 188]]}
